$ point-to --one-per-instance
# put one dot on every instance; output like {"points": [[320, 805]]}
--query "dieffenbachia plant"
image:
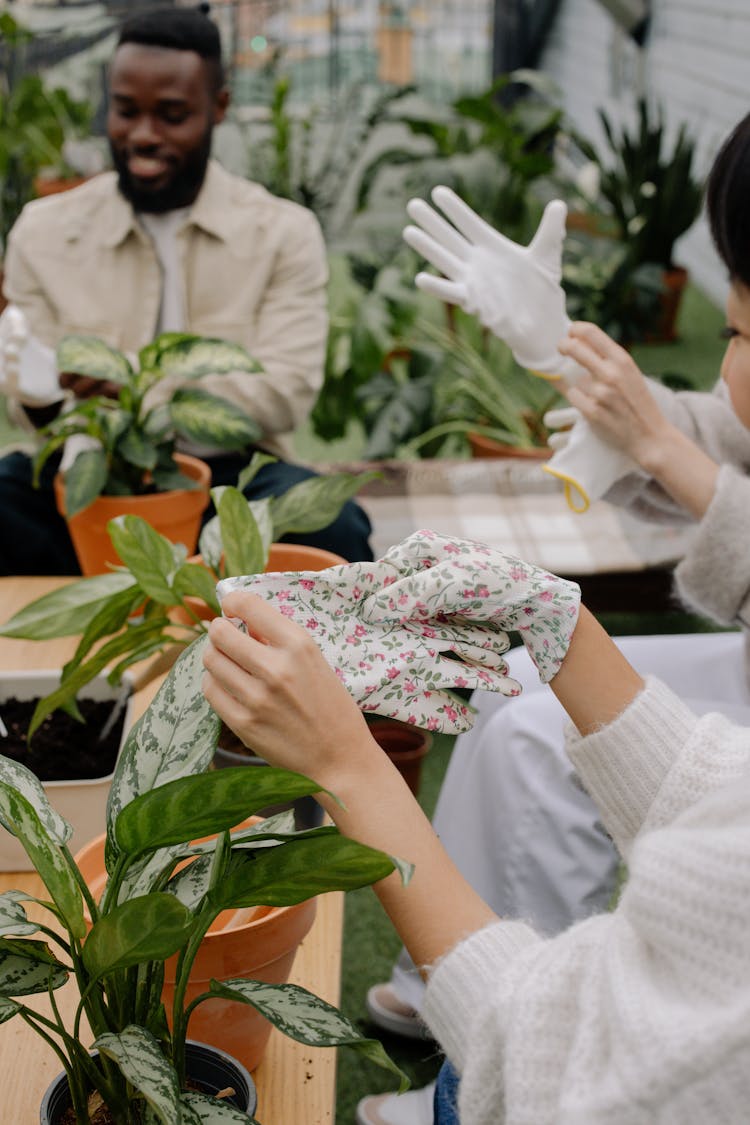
{"points": [[132, 442], [129, 609], [162, 798]]}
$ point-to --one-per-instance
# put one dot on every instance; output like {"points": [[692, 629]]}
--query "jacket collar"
{"points": [[212, 211]]}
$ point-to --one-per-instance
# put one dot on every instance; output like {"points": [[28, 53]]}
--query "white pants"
{"points": [[511, 813]]}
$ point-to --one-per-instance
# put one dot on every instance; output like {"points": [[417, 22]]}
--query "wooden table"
{"points": [[296, 1084]]}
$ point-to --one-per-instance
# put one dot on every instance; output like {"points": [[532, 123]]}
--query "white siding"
{"points": [[695, 62]]}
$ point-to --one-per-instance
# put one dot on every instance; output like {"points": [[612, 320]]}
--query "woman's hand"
{"points": [[615, 398], [274, 689]]}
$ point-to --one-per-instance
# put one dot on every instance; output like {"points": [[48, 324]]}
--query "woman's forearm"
{"points": [[683, 470]]}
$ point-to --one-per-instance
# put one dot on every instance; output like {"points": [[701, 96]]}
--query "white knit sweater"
{"points": [[641, 1016]]}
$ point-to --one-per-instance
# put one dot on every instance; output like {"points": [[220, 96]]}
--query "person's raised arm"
{"points": [[274, 689]]}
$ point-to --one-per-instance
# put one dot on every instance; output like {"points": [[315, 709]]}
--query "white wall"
{"points": [[695, 61]]}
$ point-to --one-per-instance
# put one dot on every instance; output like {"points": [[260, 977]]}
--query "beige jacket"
{"points": [[254, 272]]}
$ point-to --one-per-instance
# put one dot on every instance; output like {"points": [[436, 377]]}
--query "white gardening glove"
{"points": [[514, 290], [587, 464], [28, 370]]}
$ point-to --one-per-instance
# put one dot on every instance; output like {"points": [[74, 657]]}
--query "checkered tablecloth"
{"points": [[512, 505]]}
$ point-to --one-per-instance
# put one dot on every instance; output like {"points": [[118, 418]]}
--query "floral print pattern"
{"points": [[432, 615]]}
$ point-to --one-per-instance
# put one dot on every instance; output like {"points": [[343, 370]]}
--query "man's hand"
{"points": [[83, 386]]}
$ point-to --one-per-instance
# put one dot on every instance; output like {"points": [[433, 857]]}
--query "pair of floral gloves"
{"points": [[430, 616], [515, 292]]}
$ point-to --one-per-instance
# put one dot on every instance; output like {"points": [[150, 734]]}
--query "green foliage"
{"points": [[649, 187], [134, 443], [489, 150], [34, 124], [127, 615], [161, 798]]}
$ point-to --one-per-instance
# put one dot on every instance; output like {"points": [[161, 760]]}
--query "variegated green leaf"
{"points": [[66, 612], [85, 480], [297, 870], [193, 580], [244, 549], [214, 1111], [8, 1009], [315, 503], [13, 920], [209, 420], [15, 777], [137, 449], [190, 807], [88, 355], [139, 1057], [193, 357], [21, 818], [150, 355], [149, 928], [144, 874], [305, 1017], [191, 883], [149, 556], [28, 967], [257, 461], [175, 736]]}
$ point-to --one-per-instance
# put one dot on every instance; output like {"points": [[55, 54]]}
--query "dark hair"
{"points": [[178, 29], [728, 202]]}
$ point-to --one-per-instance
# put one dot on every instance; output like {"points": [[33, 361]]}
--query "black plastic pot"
{"points": [[209, 1068]]}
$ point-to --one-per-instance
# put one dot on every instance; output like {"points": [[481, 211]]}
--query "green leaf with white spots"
{"points": [[28, 967], [210, 420], [88, 355], [8, 1009], [194, 356], [214, 1111], [298, 869], [149, 928], [176, 736], [17, 778], [66, 612], [305, 1017], [13, 919], [42, 847], [195, 806], [315, 503], [140, 1058]]}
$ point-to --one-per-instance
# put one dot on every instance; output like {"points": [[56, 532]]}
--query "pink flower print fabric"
{"points": [[430, 616]]}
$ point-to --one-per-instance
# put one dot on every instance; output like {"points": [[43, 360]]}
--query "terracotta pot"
{"points": [[674, 280], [482, 446], [259, 943], [405, 745], [176, 514]]}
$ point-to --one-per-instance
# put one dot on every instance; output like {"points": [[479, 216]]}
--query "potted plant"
{"points": [[653, 195], [128, 461], [163, 892], [128, 615], [34, 124]]}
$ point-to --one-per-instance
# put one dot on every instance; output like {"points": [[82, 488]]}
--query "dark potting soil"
{"points": [[62, 749]]}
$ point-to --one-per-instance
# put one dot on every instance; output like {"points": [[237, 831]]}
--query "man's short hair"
{"points": [[178, 29]]}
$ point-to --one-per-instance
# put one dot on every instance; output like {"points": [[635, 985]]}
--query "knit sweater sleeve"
{"points": [[644, 1007]]}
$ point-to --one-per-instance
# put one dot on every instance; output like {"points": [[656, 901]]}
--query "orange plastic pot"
{"points": [[482, 446], [258, 943], [176, 514]]}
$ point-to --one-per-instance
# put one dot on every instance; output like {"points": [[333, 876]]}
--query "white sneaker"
{"points": [[415, 1107], [389, 1012]]}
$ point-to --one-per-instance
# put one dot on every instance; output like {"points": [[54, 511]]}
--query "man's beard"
{"points": [[179, 192]]}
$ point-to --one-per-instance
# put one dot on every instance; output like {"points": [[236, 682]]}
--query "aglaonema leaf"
{"points": [[150, 556], [209, 420], [193, 580], [315, 503], [148, 928], [140, 1058], [297, 870], [17, 778], [88, 355], [85, 480], [67, 611], [42, 847], [28, 967], [175, 737], [190, 807], [13, 920], [194, 356], [8, 1009], [305, 1017], [245, 551], [110, 618], [212, 1111]]}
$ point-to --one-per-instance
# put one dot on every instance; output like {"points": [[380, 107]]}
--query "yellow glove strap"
{"points": [[576, 496]]}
